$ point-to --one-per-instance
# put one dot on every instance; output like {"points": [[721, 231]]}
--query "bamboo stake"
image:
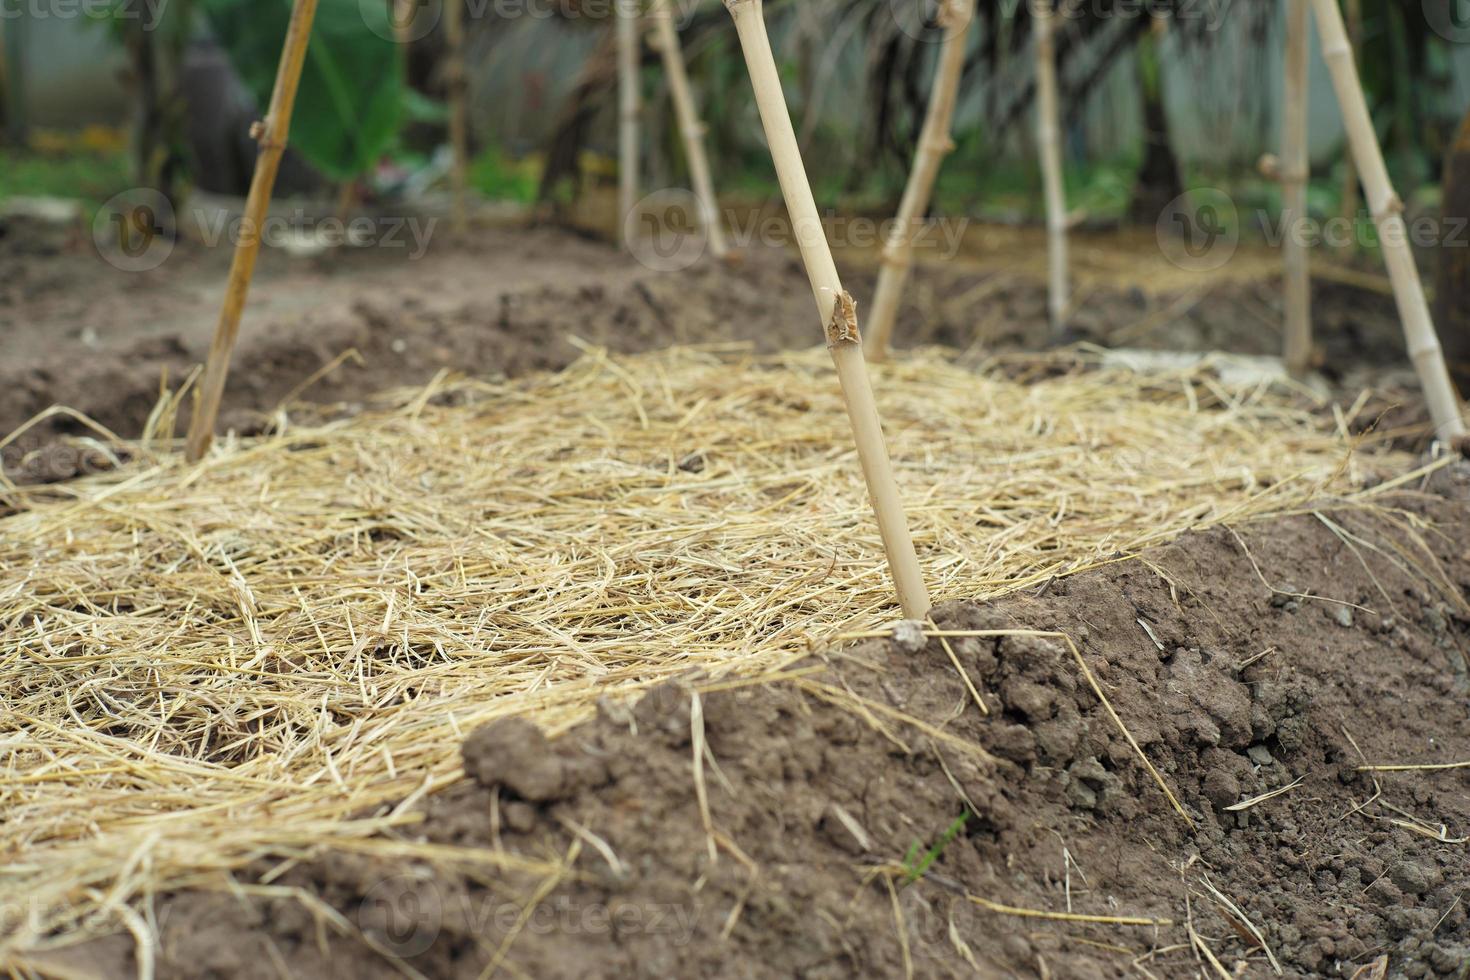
{"points": [[835, 307], [1349, 172], [1048, 138], [690, 127], [458, 111], [628, 107], [271, 135], [1293, 177], [1386, 208], [934, 145]]}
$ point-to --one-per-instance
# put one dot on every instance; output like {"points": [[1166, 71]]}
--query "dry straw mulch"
{"points": [[279, 649]]}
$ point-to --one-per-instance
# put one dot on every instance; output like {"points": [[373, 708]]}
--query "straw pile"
{"points": [[202, 665]]}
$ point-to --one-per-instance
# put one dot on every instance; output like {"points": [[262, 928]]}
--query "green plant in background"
{"points": [[351, 101], [90, 175], [498, 177]]}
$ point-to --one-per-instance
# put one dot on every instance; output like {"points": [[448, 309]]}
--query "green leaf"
{"points": [[350, 102]]}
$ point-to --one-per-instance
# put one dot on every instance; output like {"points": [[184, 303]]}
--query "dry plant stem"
{"points": [[691, 129], [836, 308], [628, 106], [934, 145], [1293, 177], [272, 140], [458, 110], [1386, 208], [1048, 138]]}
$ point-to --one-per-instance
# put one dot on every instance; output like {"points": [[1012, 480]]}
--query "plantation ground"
{"points": [[81, 333], [249, 699]]}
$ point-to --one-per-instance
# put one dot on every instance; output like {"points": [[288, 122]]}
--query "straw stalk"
{"points": [[1387, 211], [835, 306], [271, 134], [934, 145]]}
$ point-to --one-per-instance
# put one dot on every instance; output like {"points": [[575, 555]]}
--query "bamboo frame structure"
{"points": [[835, 306], [1387, 211], [691, 128], [934, 145], [271, 135], [629, 106], [1292, 174], [459, 128], [1048, 141]]}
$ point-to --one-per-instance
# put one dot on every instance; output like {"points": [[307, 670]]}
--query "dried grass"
{"points": [[278, 650]]}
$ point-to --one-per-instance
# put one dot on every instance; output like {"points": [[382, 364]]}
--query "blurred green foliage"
{"points": [[351, 100]]}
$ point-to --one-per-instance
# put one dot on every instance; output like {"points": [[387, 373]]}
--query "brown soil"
{"points": [[1232, 688], [80, 333]]}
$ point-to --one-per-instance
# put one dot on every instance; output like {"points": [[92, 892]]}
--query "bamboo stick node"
{"points": [[843, 327]]}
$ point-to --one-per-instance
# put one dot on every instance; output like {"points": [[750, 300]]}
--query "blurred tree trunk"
{"points": [[1452, 289], [1158, 181]]}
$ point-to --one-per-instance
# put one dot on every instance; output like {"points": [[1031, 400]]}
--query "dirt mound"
{"points": [[863, 816]]}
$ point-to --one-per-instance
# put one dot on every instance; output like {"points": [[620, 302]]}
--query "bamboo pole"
{"points": [[1349, 208], [458, 111], [629, 108], [1293, 174], [271, 134], [934, 145], [835, 307], [1048, 139], [1387, 211], [690, 127]]}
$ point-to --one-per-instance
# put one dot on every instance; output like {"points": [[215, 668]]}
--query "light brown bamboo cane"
{"points": [[629, 106], [271, 134], [1292, 174], [1349, 208], [459, 129], [835, 307], [1048, 139], [1387, 211], [934, 145], [690, 127]]}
